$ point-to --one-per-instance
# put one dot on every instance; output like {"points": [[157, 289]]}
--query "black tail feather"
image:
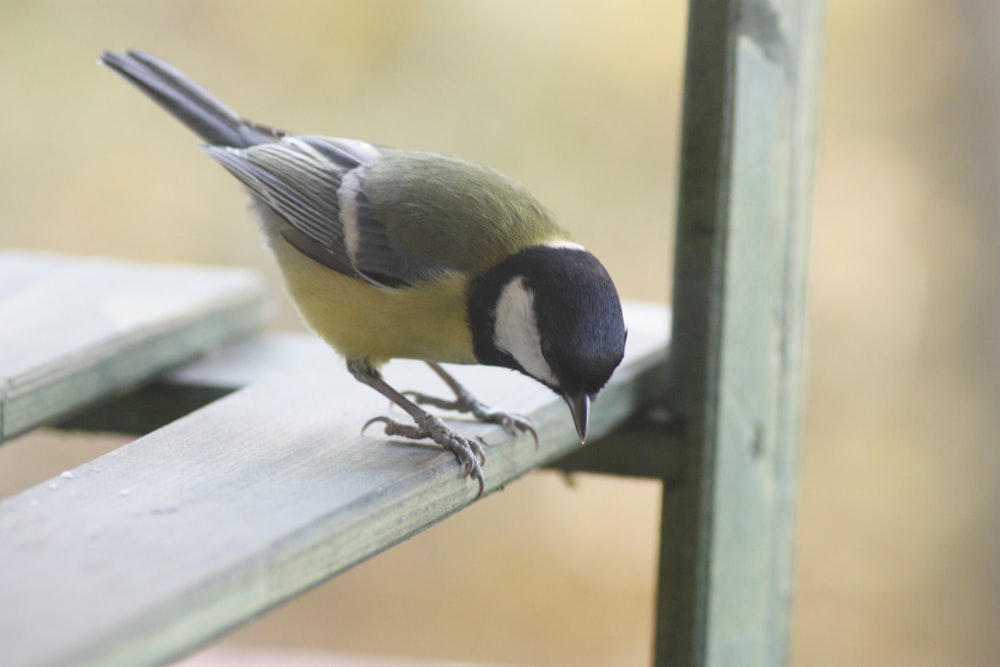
{"points": [[191, 104]]}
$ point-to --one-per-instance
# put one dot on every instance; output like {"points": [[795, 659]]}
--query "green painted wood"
{"points": [[739, 311], [75, 330], [635, 449], [147, 552], [646, 446], [198, 383]]}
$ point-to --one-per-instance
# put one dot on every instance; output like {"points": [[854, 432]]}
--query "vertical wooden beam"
{"points": [[739, 312]]}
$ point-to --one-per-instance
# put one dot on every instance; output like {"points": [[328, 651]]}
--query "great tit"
{"points": [[400, 254]]}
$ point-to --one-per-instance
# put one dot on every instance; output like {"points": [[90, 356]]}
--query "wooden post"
{"points": [[739, 312]]}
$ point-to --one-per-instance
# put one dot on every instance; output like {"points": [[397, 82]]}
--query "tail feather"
{"points": [[191, 104]]}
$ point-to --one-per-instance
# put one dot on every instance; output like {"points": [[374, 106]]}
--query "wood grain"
{"points": [[645, 446], [75, 330], [747, 156], [145, 553]]}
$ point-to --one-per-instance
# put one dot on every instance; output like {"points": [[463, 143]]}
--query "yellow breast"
{"points": [[365, 322]]}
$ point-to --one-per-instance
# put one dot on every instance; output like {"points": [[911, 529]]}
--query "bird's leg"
{"points": [[465, 402], [469, 452]]}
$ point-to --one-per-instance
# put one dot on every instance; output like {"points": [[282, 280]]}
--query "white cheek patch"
{"points": [[516, 330]]}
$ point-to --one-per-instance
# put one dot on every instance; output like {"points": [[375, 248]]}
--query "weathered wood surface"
{"points": [[146, 552], [75, 330], [641, 447], [739, 313], [194, 385]]}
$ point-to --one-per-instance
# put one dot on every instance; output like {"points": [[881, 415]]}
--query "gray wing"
{"points": [[316, 185]]}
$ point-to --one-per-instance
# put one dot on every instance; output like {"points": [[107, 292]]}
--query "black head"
{"points": [[552, 312]]}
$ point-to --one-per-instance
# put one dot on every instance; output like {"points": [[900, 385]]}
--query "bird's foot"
{"points": [[466, 403], [469, 452]]}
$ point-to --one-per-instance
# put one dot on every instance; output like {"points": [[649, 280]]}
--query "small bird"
{"points": [[391, 253]]}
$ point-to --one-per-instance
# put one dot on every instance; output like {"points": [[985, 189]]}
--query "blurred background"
{"points": [[898, 547]]}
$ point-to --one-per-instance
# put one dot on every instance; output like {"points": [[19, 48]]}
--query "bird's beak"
{"points": [[579, 407]]}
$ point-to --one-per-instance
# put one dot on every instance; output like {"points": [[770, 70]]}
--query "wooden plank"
{"points": [[739, 286], [647, 446], [74, 330], [642, 447], [145, 553], [210, 377]]}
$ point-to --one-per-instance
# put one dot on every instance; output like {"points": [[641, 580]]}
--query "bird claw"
{"points": [[510, 422], [470, 453]]}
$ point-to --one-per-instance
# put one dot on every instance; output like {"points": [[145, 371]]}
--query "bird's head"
{"points": [[552, 312]]}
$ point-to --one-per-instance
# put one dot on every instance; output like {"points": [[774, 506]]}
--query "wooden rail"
{"points": [[263, 491], [147, 552]]}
